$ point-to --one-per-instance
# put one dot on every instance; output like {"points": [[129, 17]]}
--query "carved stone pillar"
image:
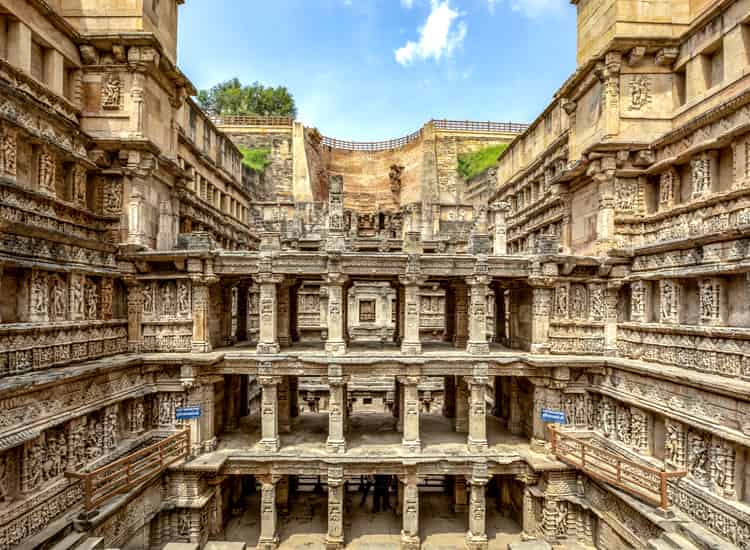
{"points": [[477, 440], [410, 529], [269, 420], [713, 301], [206, 421], [515, 422], [461, 423], [449, 396], [529, 518], [135, 311], [336, 442], [284, 315], [611, 293], [226, 313], [411, 344], [541, 305], [411, 441], [335, 535], [201, 297], [476, 537], [604, 176], [284, 410], [268, 341], [242, 306], [500, 232], [461, 325], [539, 429], [269, 537], [335, 343], [479, 286]]}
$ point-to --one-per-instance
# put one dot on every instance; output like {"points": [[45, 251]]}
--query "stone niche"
{"points": [[371, 312]]}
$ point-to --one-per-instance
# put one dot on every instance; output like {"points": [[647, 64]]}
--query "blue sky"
{"points": [[378, 69]]}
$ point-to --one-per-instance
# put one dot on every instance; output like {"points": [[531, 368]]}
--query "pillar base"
{"points": [[478, 348], [270, 445], [538, 445], [285, 341], [411, 348], [334, 543], [195, 347], [268, 543], [209, 445], [268, 348], [135, 347], [414, 446], [336, 347], [477, 445], [409, 542], [335, 445], [461, 427], [476, 542]]}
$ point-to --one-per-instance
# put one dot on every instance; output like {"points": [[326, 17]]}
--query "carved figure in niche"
{"points": [[698, 458], [623, 425], [46, 171], [106, 292], [32, 465], [39, 293], [165, 411], [94, 447], [91, 299], [111, 92], [4, 470], [58, 298], [562, 301], [112, 197], [701, 175], [110, 429], [79, 184], [9, 152], [77, 446], [148, 298], [55, 457], [672, 443], [607, 418], [578, 302], [76, 295], [183, 297], [561, 523], [183, 524], [394, 175], [667, 183], [167, 299], [137, 417], [640, 92]]}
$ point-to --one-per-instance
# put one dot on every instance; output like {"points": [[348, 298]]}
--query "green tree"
{"points": [[232, 98]]}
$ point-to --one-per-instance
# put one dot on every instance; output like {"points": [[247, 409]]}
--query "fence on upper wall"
{"points": [[333, 143]]}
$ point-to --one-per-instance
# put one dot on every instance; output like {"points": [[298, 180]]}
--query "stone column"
{"points": [[449, 396], [500, 232], [401, 407], [269, 420], [611, 293], [410, 529], [242, 313], [284, 411], [411, 344], [201, 297], [539, 429], [515, 422], [336, 442], [604, 177], [476, 537], [411, 441], [268, 341], [529, 517], [231, 399], [461, 324], [477, 440], [336, 496], [541, 304], [135, 311], [269, 537], [335, 343], [477, 344], [208, 413], [461, 423], [284, 313]]}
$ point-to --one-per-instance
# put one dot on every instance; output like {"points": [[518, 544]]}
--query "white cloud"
{"points": [[408, 4], [491, 5], [438, 38], [534, 8]]}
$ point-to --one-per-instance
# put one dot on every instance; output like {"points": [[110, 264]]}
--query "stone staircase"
{"points": [[683, 533]]}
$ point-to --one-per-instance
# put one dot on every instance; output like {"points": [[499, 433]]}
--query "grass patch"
{"points": [[471, 164], [256, 159]]}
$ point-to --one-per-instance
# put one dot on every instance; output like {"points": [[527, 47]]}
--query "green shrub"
{"points": [[256, 159], [471, 164]]}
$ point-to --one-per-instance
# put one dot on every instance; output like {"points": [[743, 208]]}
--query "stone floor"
{"points": [[305, 525], [372, 435]]}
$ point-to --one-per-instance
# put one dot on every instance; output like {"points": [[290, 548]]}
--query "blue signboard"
{"points": [[549, 415], [187, 413]]}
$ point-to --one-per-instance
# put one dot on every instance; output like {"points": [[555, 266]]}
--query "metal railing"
{"points": [[650, 484], [128, 472], [252, 120], [480, 126], [334, 143]]}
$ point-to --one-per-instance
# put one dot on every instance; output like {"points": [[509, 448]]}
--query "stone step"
{"points": [[70, 542], [678, 542], [703, 538], [91, 543]]}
